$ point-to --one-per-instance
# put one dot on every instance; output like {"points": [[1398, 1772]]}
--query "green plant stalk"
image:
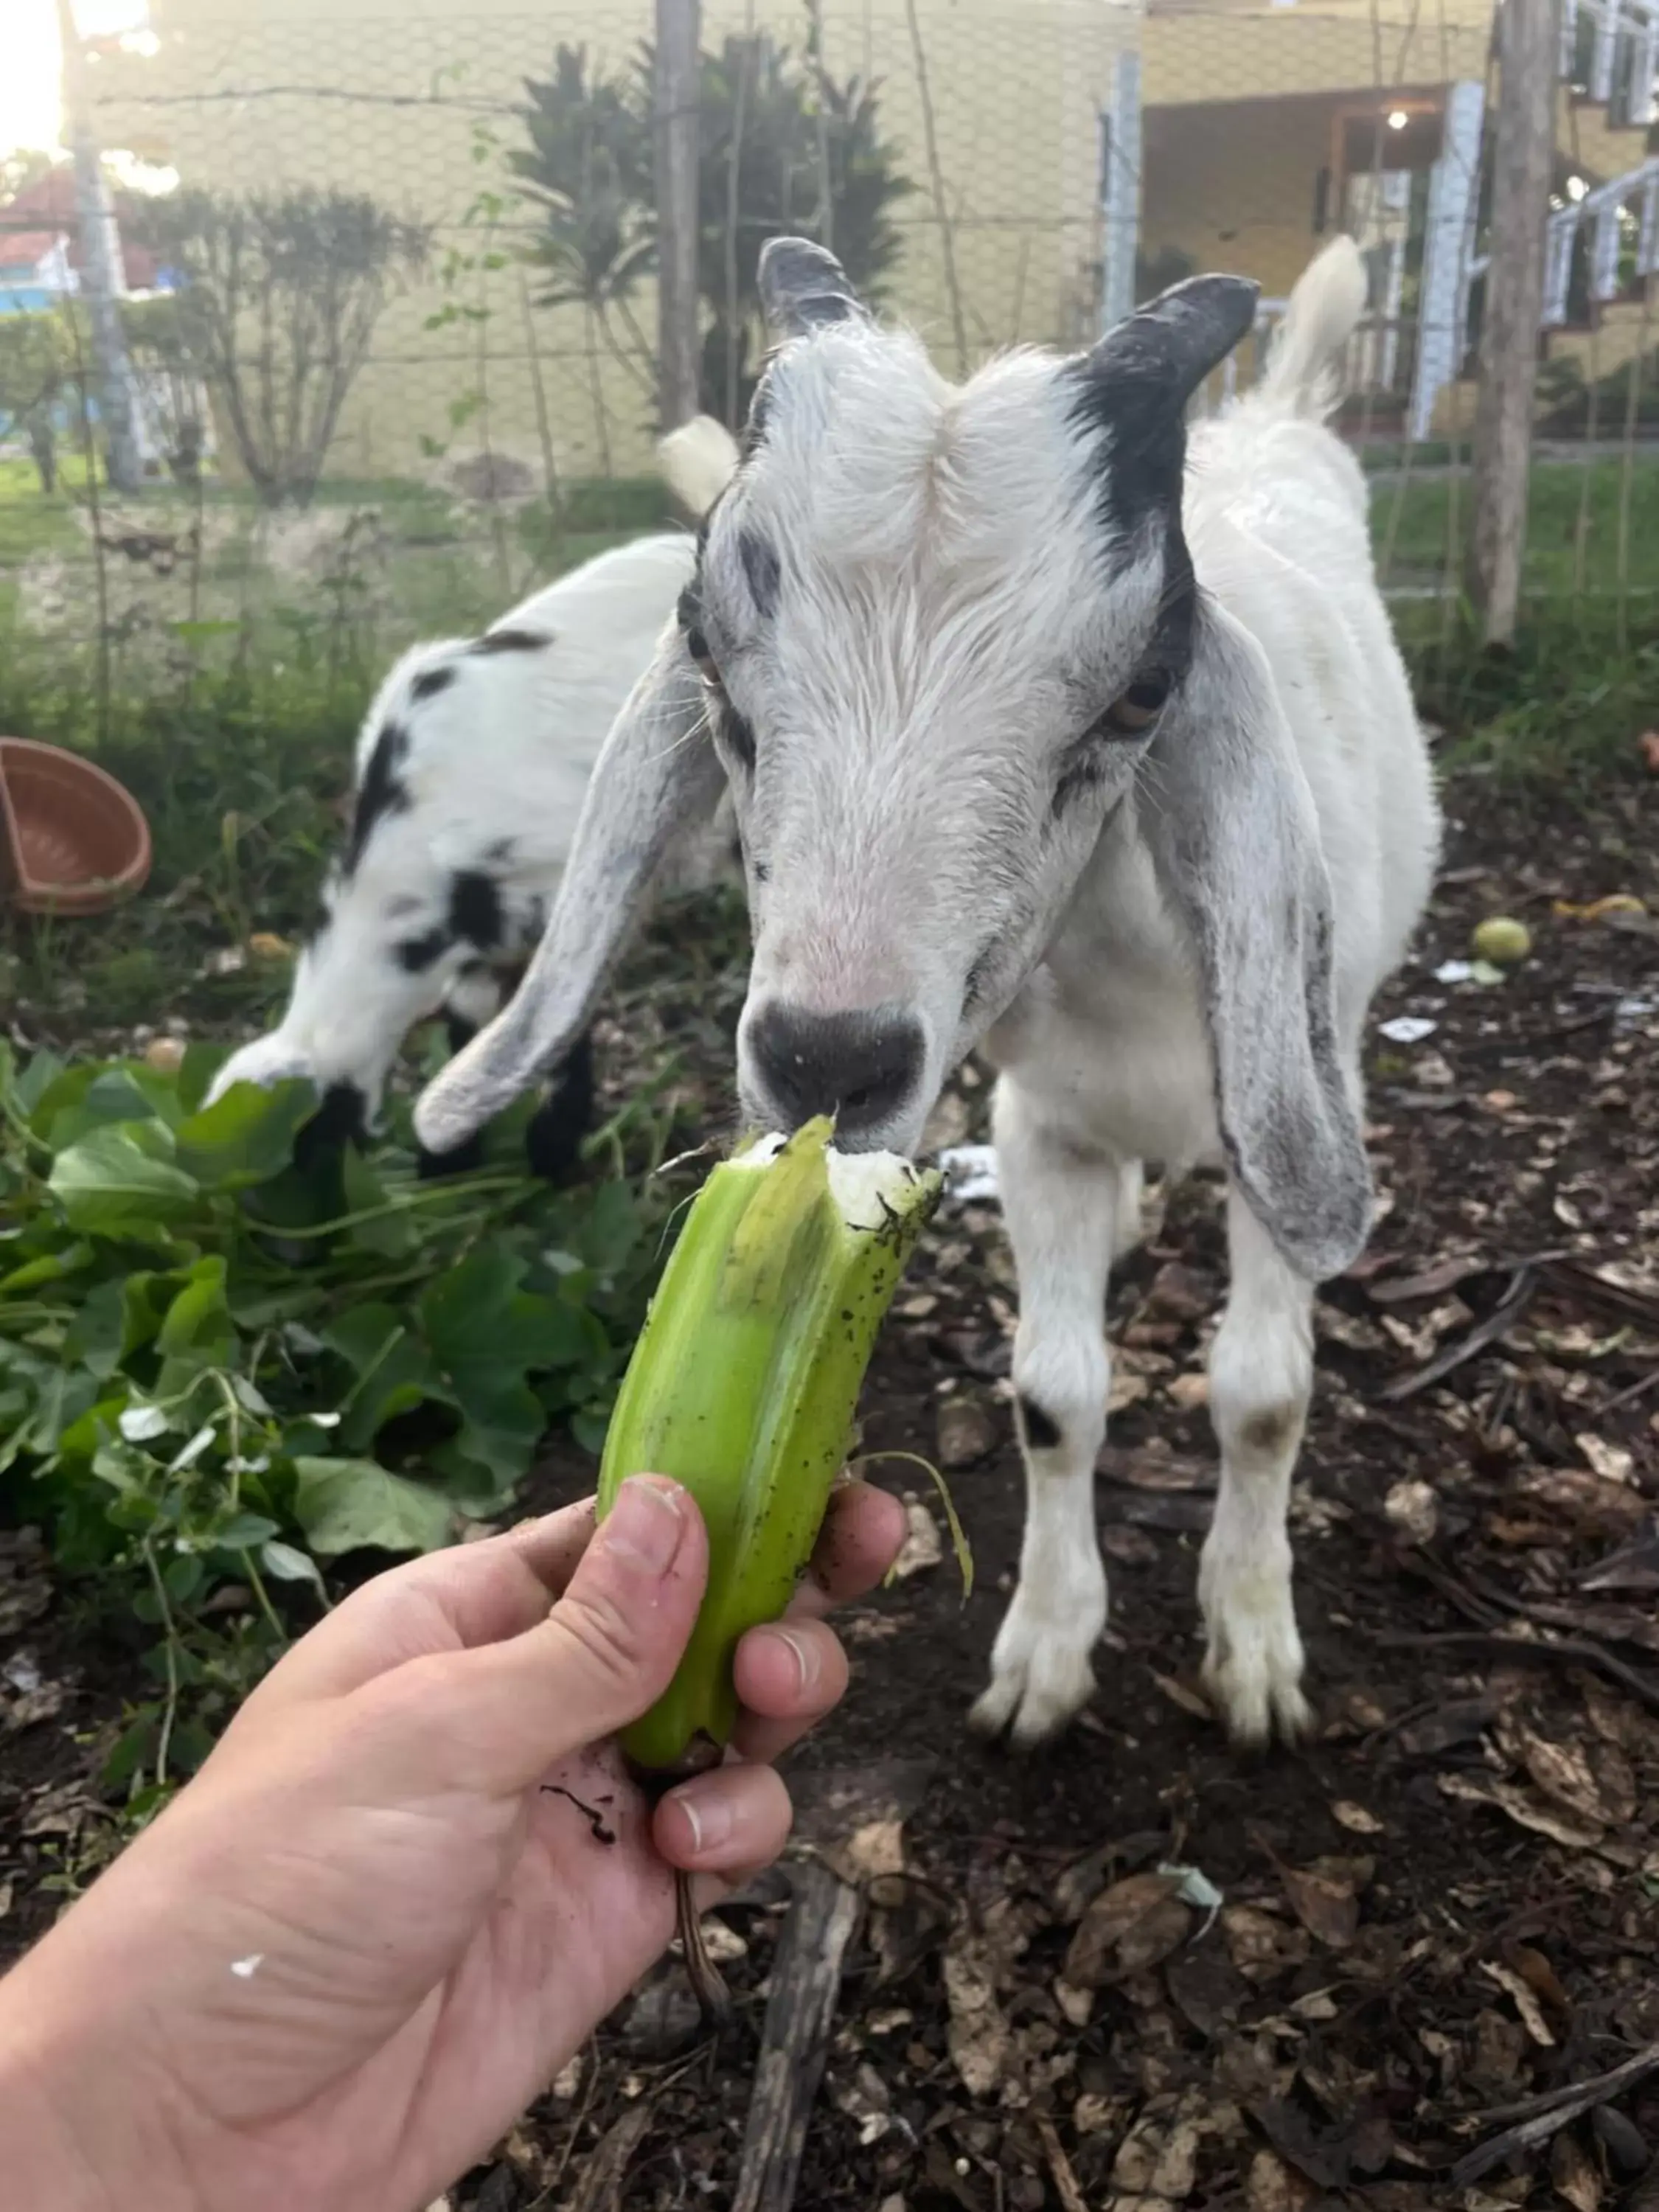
{"points": [[743, 1387]]}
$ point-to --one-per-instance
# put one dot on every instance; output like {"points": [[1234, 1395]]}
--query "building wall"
{"points": [[352, 93], [1232, 186], [1227, 52]]}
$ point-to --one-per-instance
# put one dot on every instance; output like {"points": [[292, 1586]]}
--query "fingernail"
{"points": [[645, 1525], [805, 1650], [707, 1813]]}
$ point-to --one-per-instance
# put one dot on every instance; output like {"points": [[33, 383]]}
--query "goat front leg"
{"points": [[1067, 1211], [1260, 1379]]}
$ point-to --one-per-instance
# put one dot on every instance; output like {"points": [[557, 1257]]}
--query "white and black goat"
{"points": [[472, 769], [1051, 734]]}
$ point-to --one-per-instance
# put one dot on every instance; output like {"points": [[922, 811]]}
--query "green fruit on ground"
{"points": [[1503, 940]]}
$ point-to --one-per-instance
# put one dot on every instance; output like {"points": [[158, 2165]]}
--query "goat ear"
{"points": [[655, 772], [1166, 349], [803, 287], [1235, 840]]}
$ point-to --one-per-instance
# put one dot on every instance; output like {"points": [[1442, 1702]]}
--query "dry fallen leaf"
{"points": [[1272, 2186], [1325, 1902], [1128, 1390], [1355, 1818], [1613, 1462], [1574, 2172], [1526, 1812], [1135, 1924], [978, 2036], [1260, 1944], [1532, 2017], [1564, 1772]]}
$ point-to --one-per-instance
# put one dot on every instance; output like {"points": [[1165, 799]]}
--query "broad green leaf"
{"points": [[109, 1099], [289, 1565], [389, 1233], [247, 1137], [612, 1234], [38, 1078], [49, 1268], [356, 1504], [108, 1182], [201, 1063], [392, 1369], [243, 1531], [197, 1326], [95, 1337], [487, 1336]]}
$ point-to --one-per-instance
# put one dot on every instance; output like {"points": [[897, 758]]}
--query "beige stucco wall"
{"points": [[288, 91]]}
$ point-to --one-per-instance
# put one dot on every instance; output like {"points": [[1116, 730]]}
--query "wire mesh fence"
{"points": [[391, 340]]}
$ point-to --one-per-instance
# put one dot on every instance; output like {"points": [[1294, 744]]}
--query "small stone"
{"points": [[966, 1433], [1414, 1509], [1190, 1392]]}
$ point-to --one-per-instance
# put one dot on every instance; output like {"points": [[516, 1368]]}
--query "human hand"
{"points": [[378, 1922]]}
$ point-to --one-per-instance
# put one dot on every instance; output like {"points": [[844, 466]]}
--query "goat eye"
{"points": [[697, 646], [1133, 714]]}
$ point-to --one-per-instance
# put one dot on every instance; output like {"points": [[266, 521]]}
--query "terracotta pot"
{"points": [[72, 839]]}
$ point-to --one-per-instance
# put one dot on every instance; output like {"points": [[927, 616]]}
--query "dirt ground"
{"points": [[1414, 1964]]}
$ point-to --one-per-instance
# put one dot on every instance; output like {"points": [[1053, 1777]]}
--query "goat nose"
{"points": [[862, 1067]]}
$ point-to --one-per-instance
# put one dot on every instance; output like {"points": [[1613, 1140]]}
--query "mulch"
{"points": [[1415, 1963]]}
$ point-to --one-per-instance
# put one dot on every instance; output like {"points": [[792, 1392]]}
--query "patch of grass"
{"points": [[1564, 710], [1572, 528]]}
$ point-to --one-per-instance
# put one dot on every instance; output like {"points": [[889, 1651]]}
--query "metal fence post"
{"points": [[1453, 183], [678, 23], [1120, 190], [102, 280]]}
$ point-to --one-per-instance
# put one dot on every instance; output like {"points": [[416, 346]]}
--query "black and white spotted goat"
{"points": [[1051, 734], [472, 769]]}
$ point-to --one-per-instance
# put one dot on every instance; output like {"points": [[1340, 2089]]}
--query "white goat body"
{"points": [[472, 769], [1106, 1061], [1048, 732]]}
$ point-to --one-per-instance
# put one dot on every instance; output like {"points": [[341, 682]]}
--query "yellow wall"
{"points": [[1238, 53], [286, 91], [1233, 187]]}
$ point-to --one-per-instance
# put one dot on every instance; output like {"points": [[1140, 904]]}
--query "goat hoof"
{"points": [[1256, 1689], [1029, 1705]]}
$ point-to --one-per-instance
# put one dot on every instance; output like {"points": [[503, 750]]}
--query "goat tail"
{"points": [[1305, 370], [699, 460]]}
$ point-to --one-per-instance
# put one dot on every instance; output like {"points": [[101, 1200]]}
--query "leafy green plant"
{"points": [[783, 146], [220, 1372], [36, 362], [280, 295]]}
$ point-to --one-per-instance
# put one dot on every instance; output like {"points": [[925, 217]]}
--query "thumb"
{"points": [[606, 1651]]}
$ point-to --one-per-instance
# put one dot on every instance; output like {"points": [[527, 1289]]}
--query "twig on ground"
{"points": [[1537, 2119], [795, 2041], [1503, 1317], [1572, 1649]]}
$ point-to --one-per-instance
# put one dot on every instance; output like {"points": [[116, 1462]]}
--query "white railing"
{"points": [[1623, 74], [1611, 212]]}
